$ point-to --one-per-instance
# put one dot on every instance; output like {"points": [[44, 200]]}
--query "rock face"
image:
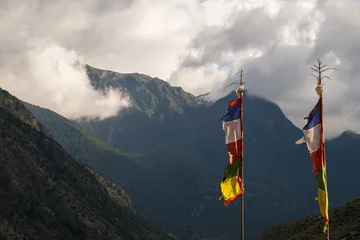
{"points": [[46, 194]]}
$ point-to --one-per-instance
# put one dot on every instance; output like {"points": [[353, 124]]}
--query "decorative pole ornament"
{"points": [[240, 90], [319, 90]]}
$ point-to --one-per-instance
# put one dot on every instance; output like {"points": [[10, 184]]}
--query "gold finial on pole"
{"points": [[240, 90]]}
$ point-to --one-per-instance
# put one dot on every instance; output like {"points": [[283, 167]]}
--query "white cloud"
{"points": [[36, 65], [195, 44], [55, 78], [289, 36]]}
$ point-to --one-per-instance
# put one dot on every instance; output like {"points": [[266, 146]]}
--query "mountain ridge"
{"points": [[13, 105], [146, 93], [46, 194]]}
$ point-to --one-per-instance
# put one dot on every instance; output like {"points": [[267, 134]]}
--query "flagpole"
{"points": [[327, 233], [319, 69], [242, 198]]}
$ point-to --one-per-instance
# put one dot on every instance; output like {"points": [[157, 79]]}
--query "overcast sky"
{"points": [[198, 45]]}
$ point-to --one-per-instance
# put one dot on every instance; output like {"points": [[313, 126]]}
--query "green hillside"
{"points": [[169, 189], [344, 225], [15, 107], [46, 194]]}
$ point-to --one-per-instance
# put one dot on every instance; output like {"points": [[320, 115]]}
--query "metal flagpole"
{"points": [[240, 91], [242, 198], [319, 69]]}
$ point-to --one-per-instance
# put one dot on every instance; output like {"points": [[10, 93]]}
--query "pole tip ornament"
{"points": [[319, 90], [239, 91]]}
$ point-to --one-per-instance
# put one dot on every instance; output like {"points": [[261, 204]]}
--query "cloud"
{"points": [[252, 32], [41, 40], [198, 45], [277, 44], [54, 77], [36, 67]]}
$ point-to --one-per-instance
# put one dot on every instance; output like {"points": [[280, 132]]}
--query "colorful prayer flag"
{"points": [[314, 138], [232, 186]]}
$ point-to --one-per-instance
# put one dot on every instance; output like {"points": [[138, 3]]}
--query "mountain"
{"points": [[46, 194], [280, 185], [197, 133], [171, 190], [154, 102], [154, 97], [344, 225], [196, 204]]}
